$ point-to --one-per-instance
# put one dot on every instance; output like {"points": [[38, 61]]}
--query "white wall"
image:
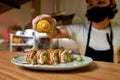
{"points": [[24, 15], [74, 6], [46, 6], [117, 17], [17, 16], [79, 7]]}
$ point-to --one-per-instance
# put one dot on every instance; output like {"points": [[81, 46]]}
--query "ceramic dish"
{"points": [[20, 61]]}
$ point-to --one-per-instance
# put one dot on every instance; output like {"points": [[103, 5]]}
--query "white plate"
{"points": [[20, 61]]}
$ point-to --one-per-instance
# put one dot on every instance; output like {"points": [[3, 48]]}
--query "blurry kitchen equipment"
{"points": [[19, 32], [29, 32]]}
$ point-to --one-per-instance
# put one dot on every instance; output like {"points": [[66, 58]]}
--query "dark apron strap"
{"points": [[110, 39], [88, 39]]}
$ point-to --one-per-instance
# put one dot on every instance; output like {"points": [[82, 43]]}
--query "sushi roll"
{"points": [[54, 56], [51, 56], [66, 56], [31, 57], [42, 57], [70, 56], [63, 55]]}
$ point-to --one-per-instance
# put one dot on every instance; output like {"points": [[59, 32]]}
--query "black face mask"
{"points": [[98, 14]]}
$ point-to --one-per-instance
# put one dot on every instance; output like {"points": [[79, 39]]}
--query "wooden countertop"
{"points": [[95, 71]]}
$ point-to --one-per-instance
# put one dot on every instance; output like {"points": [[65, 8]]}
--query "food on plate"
{"points": [[42, 57], [66, 55], [51, 56], [31, 56], [70, 55], [79, 58], [54, 56]]}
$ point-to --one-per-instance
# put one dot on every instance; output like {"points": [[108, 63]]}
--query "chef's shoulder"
{"points": [[77, 26]]}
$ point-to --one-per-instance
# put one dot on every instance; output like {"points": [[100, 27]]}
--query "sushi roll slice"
{"points": [[66, 56], [70, 56], [54, 56], [42, 57], [63, 56], [31, 57]]}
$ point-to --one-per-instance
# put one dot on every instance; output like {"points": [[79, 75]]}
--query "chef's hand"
{"points": [[45, 17]]}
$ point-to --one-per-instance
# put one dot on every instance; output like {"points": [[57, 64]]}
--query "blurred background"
{"points": [[16, 33]]}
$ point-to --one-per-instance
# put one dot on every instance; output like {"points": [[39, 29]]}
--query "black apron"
{"points": [[100, 55]]}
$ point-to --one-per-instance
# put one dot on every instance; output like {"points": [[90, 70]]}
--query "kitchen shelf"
{"points": [[18, 44], [26, 36], [28, 41]]}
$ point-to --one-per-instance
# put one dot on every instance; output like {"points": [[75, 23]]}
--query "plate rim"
{"points": [[52, 67]]}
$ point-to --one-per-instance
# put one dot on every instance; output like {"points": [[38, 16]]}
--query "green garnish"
{"points": [[44, 57], [79, 58], [65, 57]]}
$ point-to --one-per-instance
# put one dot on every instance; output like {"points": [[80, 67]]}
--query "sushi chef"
{"points": [[98, 38]]}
